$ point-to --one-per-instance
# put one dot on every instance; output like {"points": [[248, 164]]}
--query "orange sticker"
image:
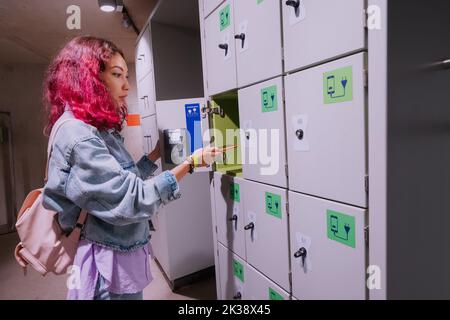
{"points": [[134, 120]]}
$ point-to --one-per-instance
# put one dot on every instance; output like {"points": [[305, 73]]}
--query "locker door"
{"points": [[317, 30], [258, 40], [232, 275], [326, 132], [146, 93], [259, 287], [230, 212], [210, 5], [261, 114], [330, 238], [220, 49], [151, 137], [266, 231], [144, 55]]}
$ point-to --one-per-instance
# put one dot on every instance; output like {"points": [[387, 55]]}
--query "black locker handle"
{"points": [[293, 3], [233, 218], [251, 225], [224, 46]]}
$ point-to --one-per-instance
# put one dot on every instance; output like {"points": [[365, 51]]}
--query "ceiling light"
{"points": [[107, 5]]}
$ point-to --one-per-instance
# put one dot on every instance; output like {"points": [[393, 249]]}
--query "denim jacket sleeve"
{"points": [[146, 167], [98, 183], [83, 171]]}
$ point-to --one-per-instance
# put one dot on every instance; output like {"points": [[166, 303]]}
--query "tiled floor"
{"points": [[14, 285]]}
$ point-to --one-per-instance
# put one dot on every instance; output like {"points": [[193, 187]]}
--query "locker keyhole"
{"points": [[242, 38], [224, 46], [233, 218], [301, 254], [300, 134]]}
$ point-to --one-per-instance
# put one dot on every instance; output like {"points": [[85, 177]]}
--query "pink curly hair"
{"points": [[73, 78]]}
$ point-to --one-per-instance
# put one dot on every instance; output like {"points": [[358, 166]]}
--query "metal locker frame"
{"points": [[266, 238], [307, 29], [329, 158], [259, 287], [221, 61], [253, 117], [331, 269], [230, 231], [258, 47]]}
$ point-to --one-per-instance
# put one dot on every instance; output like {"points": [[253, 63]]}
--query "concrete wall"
{"points": [[20, 95]]}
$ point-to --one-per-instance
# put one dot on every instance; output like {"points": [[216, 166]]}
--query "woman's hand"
{"points": [[156, 153], [206, 156]]}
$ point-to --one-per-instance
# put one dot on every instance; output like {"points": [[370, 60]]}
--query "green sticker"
{"points": [[259, 1], [269, 100], [273, 295], [235, 192], [238, 270], [341, 228], [273, 204], [338, 85], [224, 18]]}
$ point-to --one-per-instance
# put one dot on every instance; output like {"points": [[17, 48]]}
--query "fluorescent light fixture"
{"points": [[107, 5]]}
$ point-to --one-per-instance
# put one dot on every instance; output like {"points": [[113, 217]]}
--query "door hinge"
{"points": [[366, 235], [216, 229], [286, 170], [287, 208], [290, 279], [366, 183], [366, 78]]}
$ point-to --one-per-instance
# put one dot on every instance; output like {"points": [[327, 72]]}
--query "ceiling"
{"points": [[180, 13], [32, 31]]}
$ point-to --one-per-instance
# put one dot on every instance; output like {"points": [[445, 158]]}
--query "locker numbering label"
{"points": [[235, 192], [238, 270], [273, 204], [273, 295], [225, 17], [338, 85], [341, 228], [269, 99]]}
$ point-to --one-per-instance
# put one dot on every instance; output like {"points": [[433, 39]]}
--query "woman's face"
{"points": [[115, 78]]}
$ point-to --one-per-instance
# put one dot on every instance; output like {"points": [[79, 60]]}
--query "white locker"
{"points": [[144, 63], [220, 49], [328, 249], [266, 231], [258, 40], [261, 114], [210, 5], [326, 130], [317, 30], [230, 212], [259, 287], [146, 94], [232, 273]]}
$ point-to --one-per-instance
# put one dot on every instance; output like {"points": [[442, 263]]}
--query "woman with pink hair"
{"points": [[90, 169]]}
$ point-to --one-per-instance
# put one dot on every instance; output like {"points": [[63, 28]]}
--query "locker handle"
{"points": [[301, 254], [293, 3], [238, 296], [251, 225], [233, 218], [300, 134], [224, 46], [241, 37]]}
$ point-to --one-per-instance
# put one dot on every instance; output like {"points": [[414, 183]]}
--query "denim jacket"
{"points": [[91, 169]]}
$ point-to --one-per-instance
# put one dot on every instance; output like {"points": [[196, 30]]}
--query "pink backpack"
{"points": [[43, 244]]}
